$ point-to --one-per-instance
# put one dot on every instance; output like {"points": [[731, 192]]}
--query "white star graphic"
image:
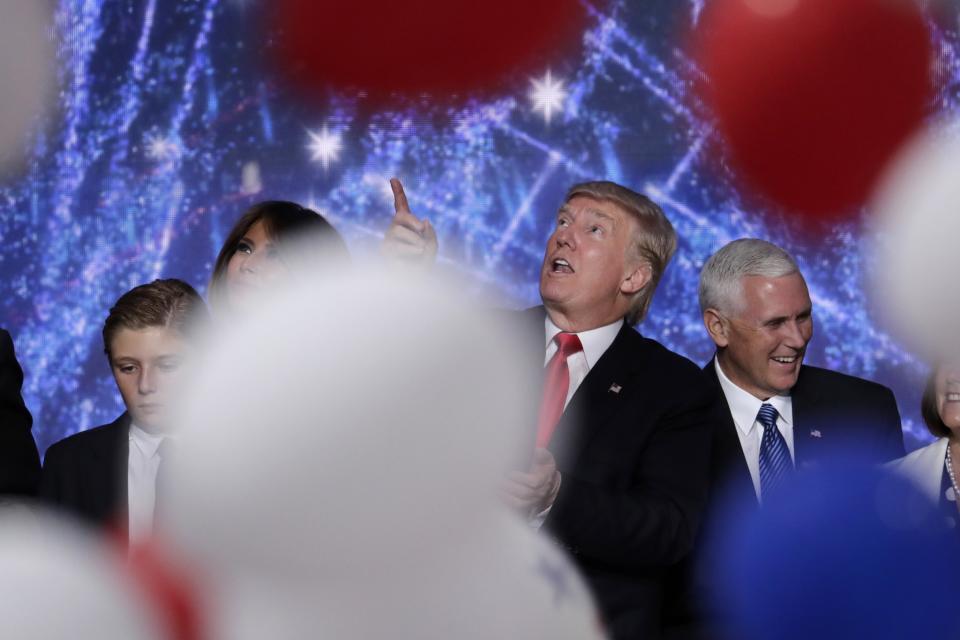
{"points": [[159, 147], [325, 146], [547, 95]]}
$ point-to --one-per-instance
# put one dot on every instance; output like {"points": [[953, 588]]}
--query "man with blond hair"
{"points": [[619, 472]]}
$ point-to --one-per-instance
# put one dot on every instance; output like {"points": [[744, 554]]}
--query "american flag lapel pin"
{"points": [[816, 433], [615, 388]]}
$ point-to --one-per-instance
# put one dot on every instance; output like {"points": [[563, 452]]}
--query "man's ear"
{"points": [[717, 326], [637, 279]]}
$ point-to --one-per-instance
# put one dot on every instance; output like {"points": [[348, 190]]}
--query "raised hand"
{"points": [[408, 238]]}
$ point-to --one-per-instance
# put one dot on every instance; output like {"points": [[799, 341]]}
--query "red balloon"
{"points": [[813, 97], [169, 587], [447, 49]]}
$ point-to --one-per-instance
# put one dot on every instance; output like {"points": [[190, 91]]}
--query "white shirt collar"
{"points": [[146, 442], [745, 406], [595, 341]]}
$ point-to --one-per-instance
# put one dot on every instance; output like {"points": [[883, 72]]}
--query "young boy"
{"points": [[107, 475]]}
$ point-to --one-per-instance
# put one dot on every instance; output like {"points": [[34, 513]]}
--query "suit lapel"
{"points": [[731, 471], [600, 394], [807, 429], [110, 468]]}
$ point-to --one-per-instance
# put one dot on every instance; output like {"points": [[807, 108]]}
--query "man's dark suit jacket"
{"points": [[86, 473], [832, 412], [19, 460], [633, 449]]}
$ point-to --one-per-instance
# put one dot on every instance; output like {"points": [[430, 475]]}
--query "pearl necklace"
{"points": [[953, 478]]}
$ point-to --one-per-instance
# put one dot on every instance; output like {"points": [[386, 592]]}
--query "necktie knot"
{"points": [[568, 344], [767, 416]]}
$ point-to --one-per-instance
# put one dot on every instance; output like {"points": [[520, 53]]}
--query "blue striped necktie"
{"points": [[775, 460]]}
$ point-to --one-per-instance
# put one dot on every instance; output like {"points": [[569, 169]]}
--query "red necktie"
{"points": [[556, 385]]}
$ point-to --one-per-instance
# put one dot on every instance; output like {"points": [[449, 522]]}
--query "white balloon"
{"points": [[27, 73], [502, 580], [350, 423], [59, 581], [342, 451], [916, 283]]}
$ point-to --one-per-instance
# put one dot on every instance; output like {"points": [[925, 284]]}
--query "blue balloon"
{"points": [[844, 552]]}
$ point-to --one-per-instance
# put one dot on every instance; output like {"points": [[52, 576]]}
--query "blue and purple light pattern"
{"points": [[168, 127]]}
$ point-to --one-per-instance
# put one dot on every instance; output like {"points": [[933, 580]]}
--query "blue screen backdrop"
{"points": [[169, 125]]}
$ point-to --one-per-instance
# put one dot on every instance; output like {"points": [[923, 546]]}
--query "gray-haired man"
{"points": [[780, 414]]}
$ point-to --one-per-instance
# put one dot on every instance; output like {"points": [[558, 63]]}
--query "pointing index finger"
{"points": [[399, 197]]}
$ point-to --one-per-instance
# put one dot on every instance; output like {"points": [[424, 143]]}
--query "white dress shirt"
{"points": [[595, 343], [744, 408], [142, 464]]}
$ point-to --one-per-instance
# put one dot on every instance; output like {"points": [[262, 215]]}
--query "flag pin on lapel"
{"points": [[816, 433], [615, 388]]}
